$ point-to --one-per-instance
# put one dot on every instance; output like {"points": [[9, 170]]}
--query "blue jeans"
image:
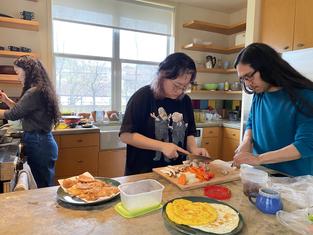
{"points": [[41, 151]]}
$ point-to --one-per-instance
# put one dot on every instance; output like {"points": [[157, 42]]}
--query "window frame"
{"points": [[116, 61]]}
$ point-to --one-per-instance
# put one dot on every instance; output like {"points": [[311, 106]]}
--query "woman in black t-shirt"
{"points": [[158, 123]]}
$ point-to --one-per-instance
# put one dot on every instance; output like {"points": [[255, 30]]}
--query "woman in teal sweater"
{"points": [[279, 132]]}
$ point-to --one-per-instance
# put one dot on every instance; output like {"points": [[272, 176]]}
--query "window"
{"points": [[105, 52]]}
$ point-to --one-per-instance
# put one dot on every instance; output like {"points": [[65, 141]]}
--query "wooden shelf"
{"points": [[9, 79], [218, 95], [216, 70], [216, 28], [211, 48], [19, 23], [16, 54]]}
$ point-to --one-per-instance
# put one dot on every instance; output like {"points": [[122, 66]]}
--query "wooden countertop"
{"points": [[38, 212]]}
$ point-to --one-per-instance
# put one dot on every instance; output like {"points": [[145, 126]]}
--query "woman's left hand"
{"points": [[200, 151], [245, 157]]}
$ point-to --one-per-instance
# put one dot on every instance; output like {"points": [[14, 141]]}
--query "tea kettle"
{"points": [[210, 62]]}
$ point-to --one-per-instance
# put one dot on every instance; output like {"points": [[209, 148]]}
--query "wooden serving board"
{"points": [[216, 168]]}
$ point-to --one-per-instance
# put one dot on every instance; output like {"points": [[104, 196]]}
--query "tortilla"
{"points": [[227, 220]]}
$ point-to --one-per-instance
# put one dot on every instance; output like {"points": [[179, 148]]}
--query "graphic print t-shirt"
{"points": [[166, 120]]}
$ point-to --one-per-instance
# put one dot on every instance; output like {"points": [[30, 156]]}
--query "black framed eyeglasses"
{"points": [[247, 77]]}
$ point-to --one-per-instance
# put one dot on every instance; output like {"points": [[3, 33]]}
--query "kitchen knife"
{"points": [[195, 156]]}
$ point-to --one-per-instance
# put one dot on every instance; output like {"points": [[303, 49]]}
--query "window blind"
{"points": [[120, 14]]}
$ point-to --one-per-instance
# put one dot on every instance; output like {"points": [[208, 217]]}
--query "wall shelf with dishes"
{"points": [[216, 28], [216, 70], [213, 49], [19, 24], [15, 54], [203, 46], [222, 95], [9, 79]]}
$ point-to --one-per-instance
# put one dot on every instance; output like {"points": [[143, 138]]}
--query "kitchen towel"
{"points": [[25, 180]]}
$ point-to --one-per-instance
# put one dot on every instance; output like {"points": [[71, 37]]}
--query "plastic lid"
{"points": [[254, 175], [217, 192]]}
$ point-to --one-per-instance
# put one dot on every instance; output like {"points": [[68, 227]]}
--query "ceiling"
{"points": [[227, 6]]}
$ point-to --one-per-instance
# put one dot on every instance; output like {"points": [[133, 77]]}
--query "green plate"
{"points": [[192, 231], [65, 197]]}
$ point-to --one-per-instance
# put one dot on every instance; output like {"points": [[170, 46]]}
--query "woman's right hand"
{"points": [[170, 150], [244, 147], [3, 96]]}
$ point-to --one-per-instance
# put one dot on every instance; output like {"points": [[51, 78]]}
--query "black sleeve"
{"points": [[191, 129], [135, 111]]}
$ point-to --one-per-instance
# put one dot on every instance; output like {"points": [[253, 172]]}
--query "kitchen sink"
{"points": [[109, 138]]}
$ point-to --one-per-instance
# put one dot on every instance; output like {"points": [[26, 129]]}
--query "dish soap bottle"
{"points": [[226, 86]]}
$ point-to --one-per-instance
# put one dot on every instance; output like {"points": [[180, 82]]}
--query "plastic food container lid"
{"points": [[217, 192]]}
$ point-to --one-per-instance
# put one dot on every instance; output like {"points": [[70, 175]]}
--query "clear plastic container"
{"points": [[252, 179], [140, 195]]}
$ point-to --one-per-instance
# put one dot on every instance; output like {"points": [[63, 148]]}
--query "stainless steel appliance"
{"points": [[198, 136]]}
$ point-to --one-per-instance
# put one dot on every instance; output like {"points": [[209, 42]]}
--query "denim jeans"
{"points": [[41, 151]]}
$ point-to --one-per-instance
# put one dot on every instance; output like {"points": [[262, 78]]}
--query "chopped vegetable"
{"points": [[182, 179]]}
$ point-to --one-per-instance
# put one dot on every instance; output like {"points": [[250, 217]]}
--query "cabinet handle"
{"points": [[80, 161], [234, 134], [300, 45], [206, 142], [210, 132], [286, 48], [79, 141]]}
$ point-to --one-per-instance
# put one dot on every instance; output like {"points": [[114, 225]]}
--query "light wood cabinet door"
{"points": [[229, 147], [277, 23], [112, 163], [303, 32], [75, 161], [212, 145]]}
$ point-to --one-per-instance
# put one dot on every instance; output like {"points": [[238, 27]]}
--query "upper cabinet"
{"points": [[291, 29]]}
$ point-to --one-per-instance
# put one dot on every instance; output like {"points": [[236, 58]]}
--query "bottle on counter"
{"points": [[226, 86]]}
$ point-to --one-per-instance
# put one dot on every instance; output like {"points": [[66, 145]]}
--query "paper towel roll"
{"points": [[22, 182]]}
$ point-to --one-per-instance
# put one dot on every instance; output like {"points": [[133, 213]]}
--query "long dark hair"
{"points": [[173, 66], [277, 72], [36, 76]]}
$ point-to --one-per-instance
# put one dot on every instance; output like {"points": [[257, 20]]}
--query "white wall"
{"points": [[39, 41]]}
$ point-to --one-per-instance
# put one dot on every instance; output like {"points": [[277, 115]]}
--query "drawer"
{"points": [[212, 145], [211, 132], [75, 161], [231, 133], [69, 141]]}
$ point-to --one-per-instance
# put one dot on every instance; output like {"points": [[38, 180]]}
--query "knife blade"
{"points": [[191, 156]]}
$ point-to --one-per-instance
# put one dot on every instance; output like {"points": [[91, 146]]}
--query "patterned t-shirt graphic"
{"points": [[169, 127]]}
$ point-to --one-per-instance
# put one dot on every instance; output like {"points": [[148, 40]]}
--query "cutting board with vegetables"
{"points": [[218, 172]]}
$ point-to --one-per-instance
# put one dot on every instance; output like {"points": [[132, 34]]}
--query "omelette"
{"points": [[227, 220], [186, 212]]}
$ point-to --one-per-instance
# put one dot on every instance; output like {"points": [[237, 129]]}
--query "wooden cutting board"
{"points": [[217, 167]]}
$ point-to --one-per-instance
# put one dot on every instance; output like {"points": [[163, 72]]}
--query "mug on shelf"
{"points": [[267, 200]]}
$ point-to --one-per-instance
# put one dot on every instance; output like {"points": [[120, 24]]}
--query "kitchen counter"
{"points": [[38, 212], [76, 130], [220, 123]]}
